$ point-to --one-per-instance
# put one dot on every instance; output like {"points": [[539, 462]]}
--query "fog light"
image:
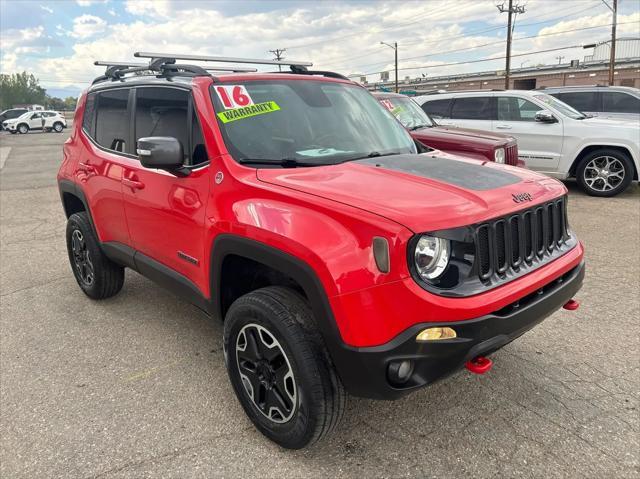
{"points": [[400, 371], [435, 334]]}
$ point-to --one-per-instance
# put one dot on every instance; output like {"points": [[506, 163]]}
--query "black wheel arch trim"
{"points": [[69, 187], [298, 270]]}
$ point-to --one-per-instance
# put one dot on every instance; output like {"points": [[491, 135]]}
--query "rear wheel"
{"points": [[279, 368], [23, 128], [604, 172], [97, 275], [58, 127]]}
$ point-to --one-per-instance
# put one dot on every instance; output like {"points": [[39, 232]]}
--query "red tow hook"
{"points": [[571, 305], [479, 365]]}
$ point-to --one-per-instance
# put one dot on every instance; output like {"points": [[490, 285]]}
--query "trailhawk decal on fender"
{"points": [[248, 111]]}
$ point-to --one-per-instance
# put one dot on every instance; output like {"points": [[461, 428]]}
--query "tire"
{"points": [[604, 172], [291, 362], [23, 129], [97, 275], [58, 127]]}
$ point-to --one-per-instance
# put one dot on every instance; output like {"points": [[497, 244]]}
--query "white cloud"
{"points": [[88, 3], [86, 26], [112, 12], [336, 36], [46, 9]]}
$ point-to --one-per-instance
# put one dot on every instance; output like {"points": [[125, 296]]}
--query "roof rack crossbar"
{"points": [[122, 65], [205, 58]]}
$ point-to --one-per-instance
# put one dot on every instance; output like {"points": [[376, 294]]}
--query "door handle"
{"points": [[503, 127], [133, 184]]}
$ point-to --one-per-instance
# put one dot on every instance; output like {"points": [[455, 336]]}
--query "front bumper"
{"points": [[364, 371]]}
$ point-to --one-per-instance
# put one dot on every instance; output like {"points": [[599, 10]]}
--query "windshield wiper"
{"points": [[284, 162], [417, 127], [373, 154]]}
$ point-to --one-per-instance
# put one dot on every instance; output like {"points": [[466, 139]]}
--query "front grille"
{"points": [[511, 155], [522, 240]]}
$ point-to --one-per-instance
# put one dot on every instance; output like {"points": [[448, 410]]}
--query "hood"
{"points": [[422, 192], [450, 133], [617, 123]]}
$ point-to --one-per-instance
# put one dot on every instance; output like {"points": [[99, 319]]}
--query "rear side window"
{"points": [[112, 121], [437, 108], [474, 108], [88, 123], [166, 112], [616, 102], [580, 100]]}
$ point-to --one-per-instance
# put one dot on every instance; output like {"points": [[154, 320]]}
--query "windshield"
{"points": [[560, 106], [407, 112], [312, 122]]}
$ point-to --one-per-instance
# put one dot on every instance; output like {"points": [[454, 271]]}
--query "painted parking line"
{"points": [[4, 154]]}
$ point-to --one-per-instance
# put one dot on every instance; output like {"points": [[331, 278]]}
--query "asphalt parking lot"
{"points": [[135, 386]]}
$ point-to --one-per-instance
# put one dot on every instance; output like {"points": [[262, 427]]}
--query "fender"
{"points": [[631, 151], [68, 186], [301, 272]]}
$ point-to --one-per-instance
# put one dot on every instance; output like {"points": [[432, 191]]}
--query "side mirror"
{"points": [[545, 116], [161, 152]]}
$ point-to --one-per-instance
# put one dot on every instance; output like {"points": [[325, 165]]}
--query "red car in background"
{"points": [[478, 144]]}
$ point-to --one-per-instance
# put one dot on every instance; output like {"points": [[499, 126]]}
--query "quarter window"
{"points": [[437, 108], [511, 108], [112, 121], [580, 100], [88, 122], [616, 102], [474, 108]]}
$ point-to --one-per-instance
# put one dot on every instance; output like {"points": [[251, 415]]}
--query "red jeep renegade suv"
{"points": [[300, 212]]}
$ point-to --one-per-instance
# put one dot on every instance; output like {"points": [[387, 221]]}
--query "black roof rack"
{"points": [[164, 64]]}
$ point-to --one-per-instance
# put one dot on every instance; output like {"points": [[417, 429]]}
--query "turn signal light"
{"points": [[435, 334]]}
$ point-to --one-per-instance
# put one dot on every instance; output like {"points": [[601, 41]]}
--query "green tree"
{"points": [[70, 103], [54, 103], [20, 88]]}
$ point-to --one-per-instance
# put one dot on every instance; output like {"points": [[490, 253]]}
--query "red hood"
{"points": [[462, 135], [421, 192]]}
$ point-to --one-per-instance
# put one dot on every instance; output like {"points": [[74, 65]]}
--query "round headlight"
{"points": [[431, 256], [499, 155]]}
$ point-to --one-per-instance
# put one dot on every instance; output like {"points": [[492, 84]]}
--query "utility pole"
{"points": [[395, 47], [559, 59], [278, 55], [513, 11], [612, 58]]}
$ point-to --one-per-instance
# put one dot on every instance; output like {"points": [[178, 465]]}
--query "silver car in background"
{"points": [[615, 102]]}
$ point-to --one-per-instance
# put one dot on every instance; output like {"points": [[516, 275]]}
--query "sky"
{"points": [[59, 40]]}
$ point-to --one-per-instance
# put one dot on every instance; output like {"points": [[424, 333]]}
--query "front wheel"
{"points": [[23, 129], [279, 368], [604, 173]]}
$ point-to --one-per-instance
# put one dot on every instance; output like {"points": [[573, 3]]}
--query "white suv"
{"points": [[553, 138], [36, 120], [618, 102]]}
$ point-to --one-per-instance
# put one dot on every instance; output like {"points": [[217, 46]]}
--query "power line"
{"points": [[336, 60], [474, 61], [278, 55], [499, 42], [415, 20]]}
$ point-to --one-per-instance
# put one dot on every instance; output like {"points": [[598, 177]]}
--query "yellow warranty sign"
{"points": [[247, 111]]}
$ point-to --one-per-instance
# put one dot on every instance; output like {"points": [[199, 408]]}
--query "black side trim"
{"points": [[171, 280], [157, 272]]}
